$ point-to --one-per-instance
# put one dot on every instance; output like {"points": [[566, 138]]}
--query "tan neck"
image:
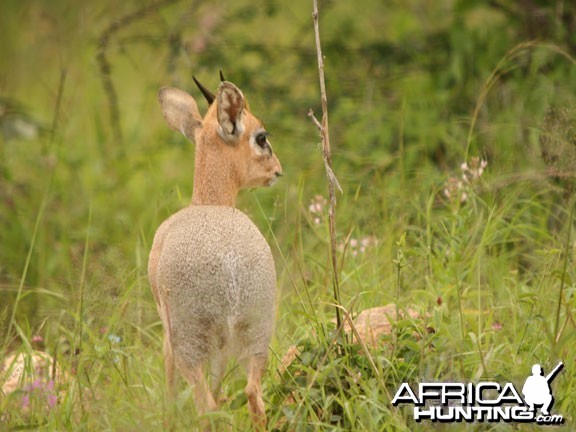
{"points": [[215, 180]]}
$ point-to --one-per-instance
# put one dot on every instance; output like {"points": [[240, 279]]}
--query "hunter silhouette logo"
{"points": [[484, 401], [537, 390]]}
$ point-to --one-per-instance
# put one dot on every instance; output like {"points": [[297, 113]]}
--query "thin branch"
{"points": [[332, 180], [327, 162], [105, 67], [315, 120]]}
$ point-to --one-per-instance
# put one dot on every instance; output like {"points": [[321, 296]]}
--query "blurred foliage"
{"points": [[403, 78], [88, 169]]}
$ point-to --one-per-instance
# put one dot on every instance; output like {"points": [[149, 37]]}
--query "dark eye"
{"points": [[261, 140]]}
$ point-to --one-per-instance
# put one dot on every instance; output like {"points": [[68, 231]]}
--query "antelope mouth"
{"points": [[274, 179]]}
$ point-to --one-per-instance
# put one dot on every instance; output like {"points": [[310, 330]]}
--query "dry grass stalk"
{"points": [[327, 155]]}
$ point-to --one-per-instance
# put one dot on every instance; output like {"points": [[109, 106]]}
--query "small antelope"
{"points": [[211, 270]]}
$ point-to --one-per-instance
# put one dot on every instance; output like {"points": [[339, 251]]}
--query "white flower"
{"points": [[472, 172]]}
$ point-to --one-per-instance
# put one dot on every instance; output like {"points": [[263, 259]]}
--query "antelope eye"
{"points": [[261, 140]]}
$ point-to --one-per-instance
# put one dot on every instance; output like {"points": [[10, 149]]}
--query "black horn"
{"points": [[222, 76], [207, 93]]}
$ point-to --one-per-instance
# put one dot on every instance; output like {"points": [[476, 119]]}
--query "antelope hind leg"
{"points": [[255, 369]]}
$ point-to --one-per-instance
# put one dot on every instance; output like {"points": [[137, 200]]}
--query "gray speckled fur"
{"points": [[217, 274]]}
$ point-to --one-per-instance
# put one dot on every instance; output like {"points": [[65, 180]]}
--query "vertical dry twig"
{"points": [[57, 110], [332, 181]]}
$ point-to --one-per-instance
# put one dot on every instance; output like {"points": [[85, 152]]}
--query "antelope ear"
{"points": [[180, 111], [230, 111]]}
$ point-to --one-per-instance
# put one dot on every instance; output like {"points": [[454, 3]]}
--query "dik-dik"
{"points": [[211, 270]]}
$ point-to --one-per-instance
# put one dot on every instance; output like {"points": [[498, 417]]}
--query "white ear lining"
{"points": [[230, 111], [226, 136], [183, 132]]}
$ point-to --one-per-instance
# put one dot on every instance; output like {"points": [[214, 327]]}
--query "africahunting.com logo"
{"points": [[484, 401]]}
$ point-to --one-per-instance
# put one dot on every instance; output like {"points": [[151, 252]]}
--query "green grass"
{"points": [[413, 93]]}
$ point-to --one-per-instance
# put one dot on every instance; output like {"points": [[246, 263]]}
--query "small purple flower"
{"points": [[43, 390], [37, 339], [25, 400]]}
